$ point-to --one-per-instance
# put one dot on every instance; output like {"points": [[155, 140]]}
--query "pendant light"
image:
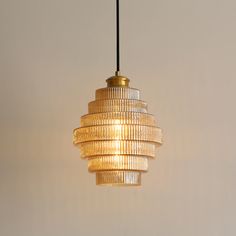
{"points": [[118, 136]]}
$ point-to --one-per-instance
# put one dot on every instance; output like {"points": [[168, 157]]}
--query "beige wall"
{"points": [[54, 54]]}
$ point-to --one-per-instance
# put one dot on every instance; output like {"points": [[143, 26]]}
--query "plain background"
{"points": [[55, 54]]}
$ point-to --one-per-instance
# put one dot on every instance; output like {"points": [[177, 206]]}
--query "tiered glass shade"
{"points": [[118, 136]]}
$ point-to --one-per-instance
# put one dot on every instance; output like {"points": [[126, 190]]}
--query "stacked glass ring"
{"points": [[118, 136]]}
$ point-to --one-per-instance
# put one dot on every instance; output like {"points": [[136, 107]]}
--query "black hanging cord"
{"points": [[117, 37]]}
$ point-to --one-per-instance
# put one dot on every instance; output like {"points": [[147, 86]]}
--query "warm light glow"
{"points": [[118, 136]]}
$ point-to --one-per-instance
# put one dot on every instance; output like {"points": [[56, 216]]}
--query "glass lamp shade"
{"points": [[118, 136]]}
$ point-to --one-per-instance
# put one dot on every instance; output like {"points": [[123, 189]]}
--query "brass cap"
{"points": [[117, 81]]}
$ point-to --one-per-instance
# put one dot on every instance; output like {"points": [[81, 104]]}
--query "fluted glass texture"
{"points": [[118, 136]]}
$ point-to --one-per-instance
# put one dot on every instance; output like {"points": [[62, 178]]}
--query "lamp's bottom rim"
{"points": [[118, 178], [119, 185]]}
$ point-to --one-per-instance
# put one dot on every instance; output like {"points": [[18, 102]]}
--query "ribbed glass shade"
{"points": [[118, 135]]}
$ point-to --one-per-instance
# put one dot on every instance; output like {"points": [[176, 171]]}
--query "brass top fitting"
{"points": [[117, 81]]}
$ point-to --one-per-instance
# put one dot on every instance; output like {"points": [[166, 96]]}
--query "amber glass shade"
{"points": [[118, 135]]}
